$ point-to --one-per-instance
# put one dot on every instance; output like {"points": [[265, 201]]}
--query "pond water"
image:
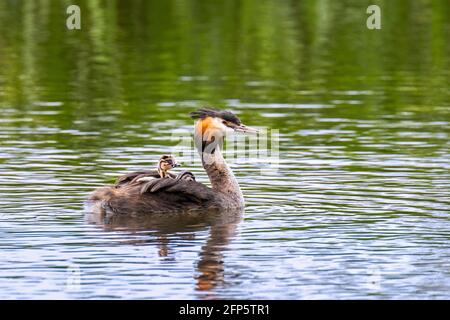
{"points": [[358, 206]]}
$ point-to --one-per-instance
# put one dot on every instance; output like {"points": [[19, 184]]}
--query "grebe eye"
{"points": [[224, 122]]}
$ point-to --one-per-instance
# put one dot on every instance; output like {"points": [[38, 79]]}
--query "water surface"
{"points": [[359, 206]]}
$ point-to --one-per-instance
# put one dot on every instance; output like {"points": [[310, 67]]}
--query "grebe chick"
{"points": [[186, 175], [153, 184], [166, 163]]}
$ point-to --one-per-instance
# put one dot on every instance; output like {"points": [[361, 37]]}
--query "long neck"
{"points": [[220, 175]]}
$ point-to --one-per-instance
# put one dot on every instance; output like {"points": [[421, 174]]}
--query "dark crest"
{"points": [[215, 113]]}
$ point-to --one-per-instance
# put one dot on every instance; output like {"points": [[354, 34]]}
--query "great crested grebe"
{"points": [[134, 195]]}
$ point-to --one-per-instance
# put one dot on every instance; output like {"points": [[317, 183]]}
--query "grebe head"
{"points": [[166, 163], [214, 122]]}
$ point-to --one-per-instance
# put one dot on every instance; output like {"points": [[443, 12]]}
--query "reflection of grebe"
{"points": [[184, 194], [171, 233]]}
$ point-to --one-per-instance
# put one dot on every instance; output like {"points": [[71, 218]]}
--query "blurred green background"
{"points": [[130, 55]]}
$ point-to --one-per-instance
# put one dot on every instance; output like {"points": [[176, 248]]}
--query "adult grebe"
{"points": [[161, 195]]}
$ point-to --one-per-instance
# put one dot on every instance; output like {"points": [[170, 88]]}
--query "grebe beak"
{"points": [[245, 129]]}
